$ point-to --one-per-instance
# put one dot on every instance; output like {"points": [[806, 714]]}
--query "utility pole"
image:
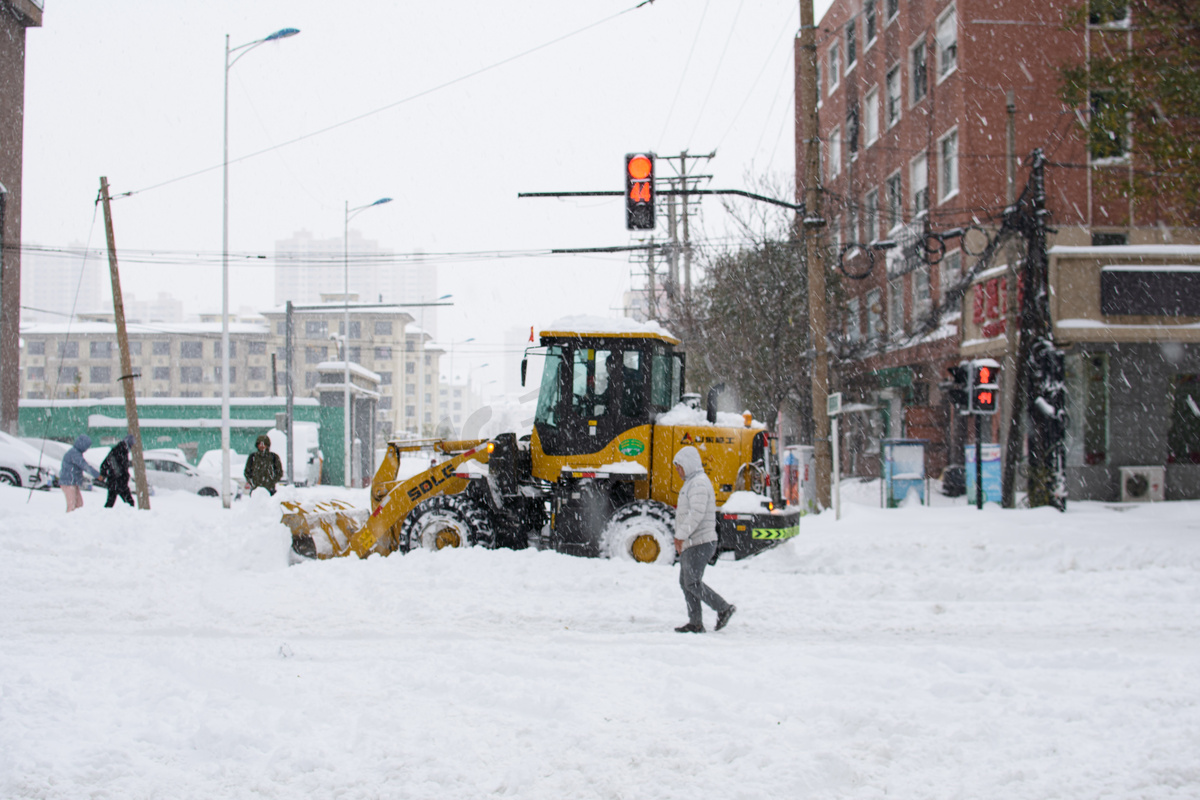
{"points": [[1010, 418], [127, 374], [10, 322], [812, 223], [289, 327], [686, 187]]}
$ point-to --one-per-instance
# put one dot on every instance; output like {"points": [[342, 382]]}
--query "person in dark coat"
{"points": [[115, 472], [263, 468], [70, 474]]}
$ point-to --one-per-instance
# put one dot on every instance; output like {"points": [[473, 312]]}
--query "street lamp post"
{"points": [[282, 33], [350, 213]]}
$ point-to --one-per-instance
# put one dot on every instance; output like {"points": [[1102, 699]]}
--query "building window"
{"points": [[852, 130], [410, 368], [281, 328], [428, 397], [835, 151], [951, 273], [161, 374], [35, 395], [1095, 411], [410, 411], [835, 66], [410, 346], [410, 389], [895, 308], [1106, 137], [871, 115], [383, 327], [256, 373], [893, 8], [68, 374], [1108, 239], [918, 179], [872, 24], [853, 323], [895, 201], [36, 347], [920, 78], [35, 374], [100, 349], [316, 329], [232, 349], [871, 216], [190, 375], [256, 348], [385, 379], [948, 166], [1107, 12], [232, 374], [315, 355], [135, 348], [100, 375], [874, 315], [310, 380], [851, 45], [356, 355], [429, 361], [160, 348], [191, 349], [383, 353], [893, 96], [921, 295], [1183, 437], [947, 42], [385, 403], [68, 349], [428, 379], [355, 328]]}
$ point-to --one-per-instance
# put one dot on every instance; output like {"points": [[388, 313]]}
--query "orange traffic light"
{"points": [[639, 191], [985, 379]]}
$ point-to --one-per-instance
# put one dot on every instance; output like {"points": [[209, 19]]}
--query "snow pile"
{"points": [[584, 323], [683, 414], [919, 653], [745, 503]]}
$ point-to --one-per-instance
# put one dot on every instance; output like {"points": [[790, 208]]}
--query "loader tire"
{"points": [[441, 522], [641, 531]]}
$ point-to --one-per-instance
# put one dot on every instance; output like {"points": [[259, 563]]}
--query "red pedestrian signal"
{"points": [[985, 386], [639, 191]]}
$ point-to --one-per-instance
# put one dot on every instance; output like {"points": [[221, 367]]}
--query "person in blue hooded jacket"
{"points": [[696, 541], [70, 474]]}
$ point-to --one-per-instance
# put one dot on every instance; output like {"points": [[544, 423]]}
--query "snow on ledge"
{"points": [[745, 503], [683, 414]]}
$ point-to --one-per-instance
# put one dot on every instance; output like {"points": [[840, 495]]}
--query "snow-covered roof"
{"points": [[340, 308], [172, 401], [1156, 250], [356, 368], [606, 326], [140, 329]]}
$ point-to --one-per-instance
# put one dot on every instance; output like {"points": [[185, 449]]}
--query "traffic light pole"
{"points": [[978, 461]]}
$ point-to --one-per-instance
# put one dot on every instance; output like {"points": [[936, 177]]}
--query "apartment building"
{"points": [[916, 98]]}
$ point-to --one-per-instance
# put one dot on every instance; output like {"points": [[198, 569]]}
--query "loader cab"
{"points": [[597, 387]]}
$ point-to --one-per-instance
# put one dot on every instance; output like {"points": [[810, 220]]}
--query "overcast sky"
{"points": [[480, 100]]}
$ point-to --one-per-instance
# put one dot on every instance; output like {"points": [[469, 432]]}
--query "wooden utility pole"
{"points": [[1010, 403], [127, 374], [806, 105]]}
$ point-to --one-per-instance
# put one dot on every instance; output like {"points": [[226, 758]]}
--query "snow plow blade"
{"points": [[335, 529], [326, 530]]}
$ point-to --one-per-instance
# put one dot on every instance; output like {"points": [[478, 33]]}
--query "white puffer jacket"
{"points": [[696, 511]]}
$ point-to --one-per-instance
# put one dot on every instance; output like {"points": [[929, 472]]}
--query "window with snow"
{"points": [[851, 45], [871, 116], [951, 272], [853, 323], [1108, 12], [948, 166], [874, 315], [922, 299], [893, 96], [871, 216], [872, 25], [852, 129], [918, 179], [835, 66], [1183, 438], [920, 79], [893, 8], [835, 151], [895, 201], [1107, 126], [947, 42], [895, 307]]}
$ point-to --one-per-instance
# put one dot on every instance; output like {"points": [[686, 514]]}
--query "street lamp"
{"points": [[350, 213], [282, 33]]}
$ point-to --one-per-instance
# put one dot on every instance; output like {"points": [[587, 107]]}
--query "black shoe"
{"points": [[691, 627], [723, 617]]}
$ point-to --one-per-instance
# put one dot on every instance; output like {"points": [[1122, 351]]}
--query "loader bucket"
{"points": [[327, 530]]}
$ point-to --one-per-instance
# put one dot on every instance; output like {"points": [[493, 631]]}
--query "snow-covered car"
{"points": [[168, 469], [23, 465]]}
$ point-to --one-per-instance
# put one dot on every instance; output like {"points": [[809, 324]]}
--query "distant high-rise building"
{"points": [[56, 284], [307, 267]]}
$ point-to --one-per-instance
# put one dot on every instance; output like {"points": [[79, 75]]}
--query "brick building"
{"points": [[913, 119]]}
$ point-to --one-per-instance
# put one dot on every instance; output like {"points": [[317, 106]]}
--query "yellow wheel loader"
{"points": [[595, 477]]}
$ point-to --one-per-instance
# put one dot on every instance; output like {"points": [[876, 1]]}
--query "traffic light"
{"points": [[956, 390], [985, 386], [639, 191]]}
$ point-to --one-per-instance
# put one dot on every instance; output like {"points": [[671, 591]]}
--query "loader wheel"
{"points": [[642, 531], [443, 522]]}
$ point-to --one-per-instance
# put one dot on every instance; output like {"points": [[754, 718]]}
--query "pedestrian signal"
{"points": [[639, 191], [985, 386], [956, 389]]}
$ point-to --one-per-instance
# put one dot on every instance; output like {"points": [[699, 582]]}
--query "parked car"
{"points": [[23, 465], [168, 469]]}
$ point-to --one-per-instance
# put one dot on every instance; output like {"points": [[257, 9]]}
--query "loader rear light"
{"points": [[490, 447]]}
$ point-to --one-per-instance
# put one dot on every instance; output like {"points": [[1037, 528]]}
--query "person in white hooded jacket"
{"points": [[696, 541]]}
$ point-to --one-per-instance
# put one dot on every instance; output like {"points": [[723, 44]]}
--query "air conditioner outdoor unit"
{"points": [[1142, 484]]}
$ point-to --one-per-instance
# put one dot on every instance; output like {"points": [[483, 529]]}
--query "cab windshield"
{"points": [[550, 392]]}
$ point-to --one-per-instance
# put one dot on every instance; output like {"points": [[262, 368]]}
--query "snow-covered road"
{"points": [[914, 653]]}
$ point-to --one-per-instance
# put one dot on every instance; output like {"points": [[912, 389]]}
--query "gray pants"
{"points": [[692, 562]]}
